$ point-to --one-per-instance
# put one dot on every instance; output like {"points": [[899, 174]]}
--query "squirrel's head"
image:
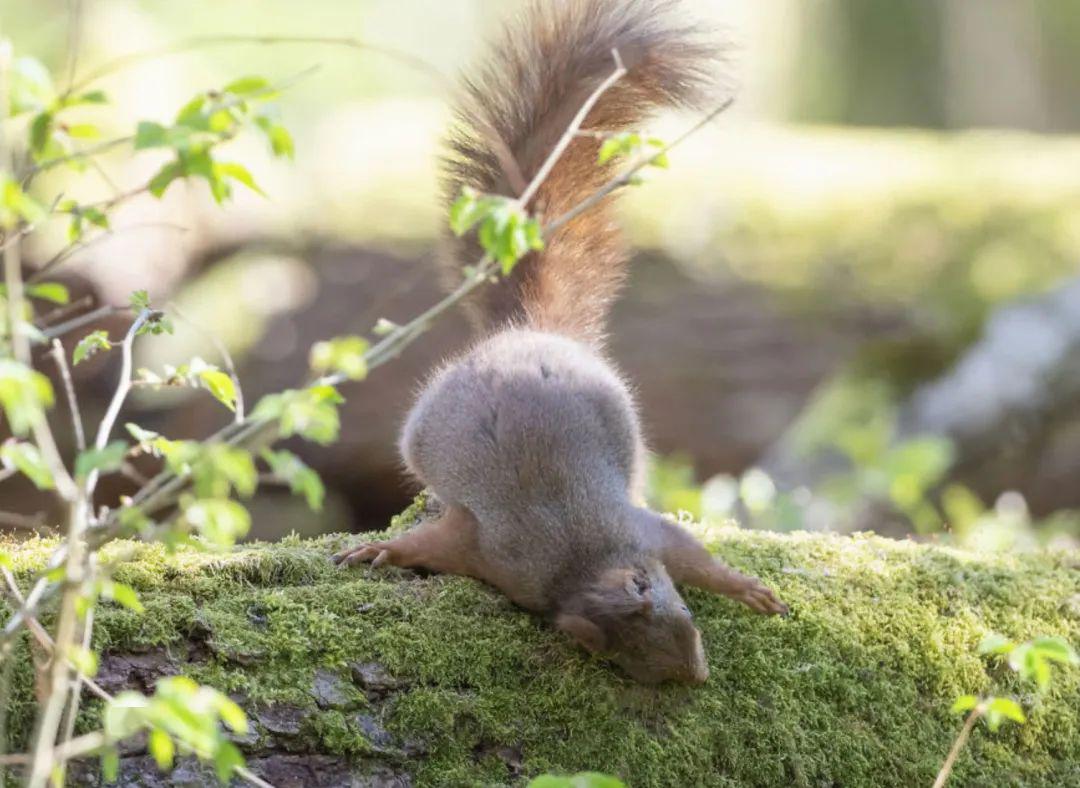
{"points": [[635, 617]]}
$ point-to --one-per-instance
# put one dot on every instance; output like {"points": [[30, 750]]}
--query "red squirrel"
{"points": [[531, 440]]}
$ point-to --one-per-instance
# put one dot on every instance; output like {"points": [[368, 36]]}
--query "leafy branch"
{"points": [[1032, 661]]}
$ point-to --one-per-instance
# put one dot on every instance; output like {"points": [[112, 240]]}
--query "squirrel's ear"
{"points": [[582, 630], [639, 587]]}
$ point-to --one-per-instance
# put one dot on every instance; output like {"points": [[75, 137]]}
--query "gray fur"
{"points": [[538, 437]]}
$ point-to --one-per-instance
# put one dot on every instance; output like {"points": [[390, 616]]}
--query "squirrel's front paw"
{"points": [[377, 553], [759, 597]]}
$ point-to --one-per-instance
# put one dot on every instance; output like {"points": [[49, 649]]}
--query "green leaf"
{"points": [[220, 521], [1032, 667], [227, 758], [237, 172], [221, 386], [49, 291], [964, 703], [5, 560], [343, 355], [16, 205], [105, 460], [301, 479], [24, 395], [580, 780], [92, 97], [164, 177], [142, 436], [41, 130], [161, 748], [281, 142], [383, 327], [150, 135], [27, 459], [1055, 649], [192, 114], [124, 595], [245, 86], [110, 765], [216, 469], [82, 131], [139, 300], [232, 715], [89, 345], [84, 660], [995, 644], [1000, 709], [125, 714], [31, 86], [311, 412]]}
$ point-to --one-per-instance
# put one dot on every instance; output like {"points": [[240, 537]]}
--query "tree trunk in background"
{"points": [[1012, 402]]}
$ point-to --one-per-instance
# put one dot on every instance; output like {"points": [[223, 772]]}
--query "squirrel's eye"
{"points": [[686, 610]]}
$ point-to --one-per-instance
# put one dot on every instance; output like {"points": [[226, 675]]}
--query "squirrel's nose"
{"points": [[699, 672]]}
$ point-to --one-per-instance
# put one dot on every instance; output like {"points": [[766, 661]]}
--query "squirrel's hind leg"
{"points": [[446, 543], [687, 561]]}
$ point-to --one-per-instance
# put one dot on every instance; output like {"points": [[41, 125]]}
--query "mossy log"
{"points": [[392, 678]]}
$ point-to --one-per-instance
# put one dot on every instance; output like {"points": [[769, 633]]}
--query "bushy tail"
{"points": [[536, 78]]}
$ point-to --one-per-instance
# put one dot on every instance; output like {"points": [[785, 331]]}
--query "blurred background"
{"points": [[854, 302]]}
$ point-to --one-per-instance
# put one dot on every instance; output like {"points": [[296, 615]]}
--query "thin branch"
{"points": [[51, 707], [71, 713], [83, 320], [74, 38], [92, 150], [223, 351], [69, 391], [625, 178], [42, 636], [571, 130], [53, 315], [203, 42], [958, 745], [108, 421]]}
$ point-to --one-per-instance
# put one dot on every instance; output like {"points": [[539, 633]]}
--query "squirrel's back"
{"points": [[536, 78]]}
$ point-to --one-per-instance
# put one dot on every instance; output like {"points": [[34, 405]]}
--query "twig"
{"points": [[108, 421], [92, 150], [42, 636], [78, 322], [44, 757], [571, 130], [74, 39], [69, 392], [958, 745], [625, 178], [63, 311], [223, 351], [71, 713]]}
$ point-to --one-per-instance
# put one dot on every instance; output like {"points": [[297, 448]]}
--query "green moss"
{"points": [[853, 689]]}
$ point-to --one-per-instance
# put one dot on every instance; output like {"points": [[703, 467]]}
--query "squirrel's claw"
{"points": [[376, 554], [762, 599]]}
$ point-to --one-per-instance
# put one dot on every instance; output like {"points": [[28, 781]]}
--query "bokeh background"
{"points": [[854, 303]]}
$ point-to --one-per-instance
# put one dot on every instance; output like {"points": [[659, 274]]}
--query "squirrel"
{"points": [[531, 439]]}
